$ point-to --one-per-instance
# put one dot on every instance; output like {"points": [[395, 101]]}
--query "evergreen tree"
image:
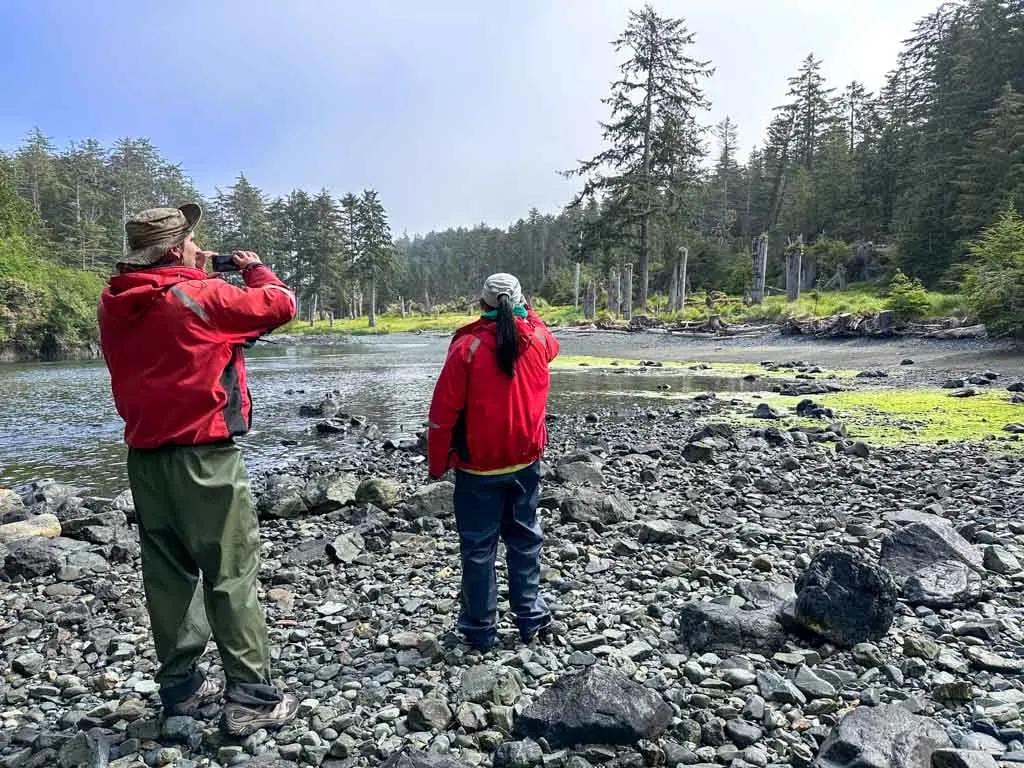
{"points": [[653, 131]]}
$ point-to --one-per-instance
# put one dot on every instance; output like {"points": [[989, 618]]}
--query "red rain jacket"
{"points": [[480, 419], [172, 338]]}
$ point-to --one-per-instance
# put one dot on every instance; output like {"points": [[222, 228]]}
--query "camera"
{"points": [[224, 262]]}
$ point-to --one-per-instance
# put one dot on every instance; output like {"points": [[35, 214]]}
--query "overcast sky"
{"points": [[456, 111]]}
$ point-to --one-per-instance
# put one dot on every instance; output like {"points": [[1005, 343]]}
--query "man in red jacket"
{"points": [[487, 420], [172, 336]]}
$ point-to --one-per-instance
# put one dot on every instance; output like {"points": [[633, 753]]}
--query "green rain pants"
{"points": [[200, 544]]}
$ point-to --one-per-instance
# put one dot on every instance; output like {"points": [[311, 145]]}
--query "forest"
{"points": [[924, 177]]}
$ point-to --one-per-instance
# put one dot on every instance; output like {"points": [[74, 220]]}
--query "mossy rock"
{"points": [[381, 492]]}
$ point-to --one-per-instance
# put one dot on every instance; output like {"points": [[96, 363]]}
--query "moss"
{"points": [[915, 416]]}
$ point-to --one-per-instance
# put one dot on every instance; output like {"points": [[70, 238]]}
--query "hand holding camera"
{"points": [[235, 261]]}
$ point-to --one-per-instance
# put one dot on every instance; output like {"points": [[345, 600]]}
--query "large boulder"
{"points": [[37, 556], [433, 500], [845, 598], [585, 505], [46, 526], [326, 493], [421, 759], [282, 497], [924, 543], [668, 532], [381, 492], [882, 737], [724, 629], [947, 584], [597, 706], [12, 508]]}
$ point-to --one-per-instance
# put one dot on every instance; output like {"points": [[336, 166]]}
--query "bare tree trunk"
{"points": [[682, 278], [373, 299], [628, 293], [576, 287], [312, 309], [124, 220], [794, 259], [760, 267]]}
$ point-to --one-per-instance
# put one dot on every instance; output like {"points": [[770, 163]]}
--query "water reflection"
{"points": [[58, 420]]}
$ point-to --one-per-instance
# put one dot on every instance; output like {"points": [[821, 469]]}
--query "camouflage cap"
{"points": [[153, 231]]}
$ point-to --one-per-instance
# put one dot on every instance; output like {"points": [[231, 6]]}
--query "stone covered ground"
{"points": [[725, 596]]}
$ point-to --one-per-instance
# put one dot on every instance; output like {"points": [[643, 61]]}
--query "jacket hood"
{"points": [[130, 295]]}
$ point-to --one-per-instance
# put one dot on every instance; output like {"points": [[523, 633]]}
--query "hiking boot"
{"points": [[209, 692], [544, 633], [245, 719]]}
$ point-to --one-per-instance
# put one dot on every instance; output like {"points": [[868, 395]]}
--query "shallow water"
{"points": [[58, 419]]}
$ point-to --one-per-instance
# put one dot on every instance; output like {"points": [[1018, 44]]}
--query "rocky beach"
{"points": [[732, 586]]}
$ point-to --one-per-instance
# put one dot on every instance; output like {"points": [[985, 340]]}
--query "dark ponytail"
{"points": [[508, 336]]}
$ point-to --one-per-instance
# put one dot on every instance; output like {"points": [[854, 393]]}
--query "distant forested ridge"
{"points": [[863, 183]]}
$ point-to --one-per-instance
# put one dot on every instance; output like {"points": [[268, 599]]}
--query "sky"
{"points": [[457, 112]]}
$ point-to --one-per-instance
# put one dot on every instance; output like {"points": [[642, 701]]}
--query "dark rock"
{"points": [[586, 505], [86, 750], [667, 532], [380, 492], [809, 409], [882, 737], [597, 706], [944, 584], [433, 500], [429, 714], [721, 628], [962, 393], [326, 493], [518, 754], [309, 551], [742, 733], [579, 473], [283, 497], [845, 598], [962, 758], [1000, 560], [34, 557], [873, 374], [765, 594], [925, 543], [417, 759], [765, 411], [346, 547], [700, 452]]}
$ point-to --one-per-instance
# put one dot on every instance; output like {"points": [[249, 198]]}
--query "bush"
{"points": [[907, 297], [994, 286]]}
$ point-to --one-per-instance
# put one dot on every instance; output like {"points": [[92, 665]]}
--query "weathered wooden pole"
{"points": [[682, 278], [627, 295], [794, 262], [760, 268]]}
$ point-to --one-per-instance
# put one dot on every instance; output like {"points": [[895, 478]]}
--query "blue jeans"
{"points": [[486, 507]]}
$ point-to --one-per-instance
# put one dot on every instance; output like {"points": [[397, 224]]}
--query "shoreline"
{"points": [[651, 520]]}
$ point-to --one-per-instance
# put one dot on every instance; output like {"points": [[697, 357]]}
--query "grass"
{"points": [[914, 416], [861, 300]]}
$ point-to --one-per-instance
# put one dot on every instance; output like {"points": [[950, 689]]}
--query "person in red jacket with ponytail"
{"points": [[487, 422]]}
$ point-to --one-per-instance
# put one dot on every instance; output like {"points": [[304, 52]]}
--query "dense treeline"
{"points": [[864, 183]]}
